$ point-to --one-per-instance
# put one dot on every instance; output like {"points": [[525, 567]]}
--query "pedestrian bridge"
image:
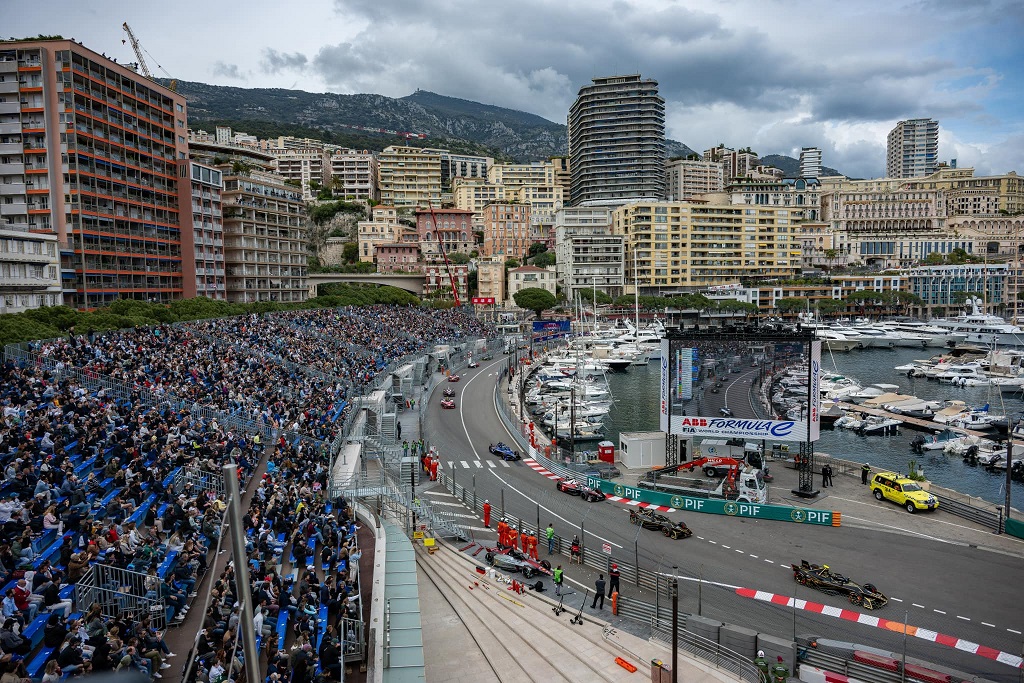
{"points": [[412, 283]]}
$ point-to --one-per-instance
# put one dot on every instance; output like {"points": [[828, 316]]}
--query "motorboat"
{"points": [[878, 424], [951, 411], [935, 442], [957, 374], [982, 328], [834, 341], [872, 391]]}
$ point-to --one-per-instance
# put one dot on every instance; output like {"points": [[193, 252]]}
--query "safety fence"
{"points": [[194, 479], [118, 591], [708, 650]]}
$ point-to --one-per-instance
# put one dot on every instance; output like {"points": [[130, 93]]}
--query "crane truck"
{"points": [[741, 483]]}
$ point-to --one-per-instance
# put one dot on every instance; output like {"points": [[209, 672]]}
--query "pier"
{"points": [[911, 422]]}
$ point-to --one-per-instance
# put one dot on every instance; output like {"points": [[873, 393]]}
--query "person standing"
{"points": [[829, 475], [864, 472], [398, 430], [551, 538], [433, 468], [487, 514], [613, 580], [824, 476], [599, 592], [559, 577]]}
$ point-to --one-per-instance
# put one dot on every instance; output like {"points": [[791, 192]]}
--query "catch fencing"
{"points": [[118, 591]]}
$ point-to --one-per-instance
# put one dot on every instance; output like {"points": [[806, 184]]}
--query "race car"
{"points": [[504, 451], [447, 403], [487, 356], [515, 561], [449, 392], [575, 488], [472, 364], [649, 519], [822, 578], [453, 378]]}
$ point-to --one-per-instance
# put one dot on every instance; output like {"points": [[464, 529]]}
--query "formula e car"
{"points": [[453, 378], [575, 488], [448, 392], [447, 403], [829, 582], [472, 364], [504, 451], [649, 519], [515, 561], [487, 356]]}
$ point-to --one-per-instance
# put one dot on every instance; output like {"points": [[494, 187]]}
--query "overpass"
{"points": [[412, 283]]}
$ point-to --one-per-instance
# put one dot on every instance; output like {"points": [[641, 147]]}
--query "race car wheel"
{"points": [[911, 508], [490, 558], [527, 572], [545, 564], [878, 494], [870, 587], [855, 599], [666, 531]]}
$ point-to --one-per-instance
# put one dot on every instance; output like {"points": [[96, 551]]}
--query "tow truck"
{"points": [[742, 482]]}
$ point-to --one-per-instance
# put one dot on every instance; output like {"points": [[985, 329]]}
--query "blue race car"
{"points": [[504, 451]]}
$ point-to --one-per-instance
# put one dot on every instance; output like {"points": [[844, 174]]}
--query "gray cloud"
{"points": [[228, 70], [274, 62]]}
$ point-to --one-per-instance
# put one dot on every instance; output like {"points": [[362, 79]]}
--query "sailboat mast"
{"points": [[636, 294]]}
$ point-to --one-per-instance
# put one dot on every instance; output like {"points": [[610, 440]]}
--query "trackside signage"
{"points": [[712, 506], [737, 427]]}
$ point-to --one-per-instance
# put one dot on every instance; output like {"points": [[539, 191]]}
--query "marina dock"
{"points": [[911, 422]]}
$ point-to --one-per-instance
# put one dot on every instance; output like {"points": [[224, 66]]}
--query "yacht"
{"points": [[878, 424], [874, 337], [982, 328], [937, 336], [835, 341]]}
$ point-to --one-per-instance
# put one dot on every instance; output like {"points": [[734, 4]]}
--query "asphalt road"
{"points": [[953, 589]]}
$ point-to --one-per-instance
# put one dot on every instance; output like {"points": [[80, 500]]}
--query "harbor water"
{"points": [[636, 410]]}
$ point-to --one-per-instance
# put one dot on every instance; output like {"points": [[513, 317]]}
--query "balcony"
{"points": [[16, 209], [12, 188]]}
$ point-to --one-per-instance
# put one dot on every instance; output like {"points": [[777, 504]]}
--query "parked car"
{"points": [[903, 491]]}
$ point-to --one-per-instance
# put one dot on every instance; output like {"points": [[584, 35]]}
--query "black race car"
{"points": [[515, 561], [829, 582], [504, 451], [575, 488], [487, 356], [649, 519], [449, 392]]}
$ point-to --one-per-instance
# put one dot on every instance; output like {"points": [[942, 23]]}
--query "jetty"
{"points": [[917, 423]]}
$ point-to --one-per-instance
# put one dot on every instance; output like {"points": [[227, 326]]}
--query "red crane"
{"points": [[447, 263]]}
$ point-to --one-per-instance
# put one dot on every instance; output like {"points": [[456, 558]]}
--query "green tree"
{"points": [[830, 257], [534, 299], [934, 259], [902, 302], [511, 262], [792, 304], [544, 259], [537, 248], [459, 258], [830, 307], [350, 252], [600, 297], [961, 298]]}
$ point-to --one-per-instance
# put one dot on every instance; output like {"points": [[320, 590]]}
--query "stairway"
{"points": [[519, 635]]}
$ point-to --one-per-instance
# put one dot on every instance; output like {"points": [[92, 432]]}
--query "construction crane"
{"points": [[137, 47], [447, 263]]}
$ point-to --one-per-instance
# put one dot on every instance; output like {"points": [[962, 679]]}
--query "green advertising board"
{"points": [[1014, 527], [715, 506]]}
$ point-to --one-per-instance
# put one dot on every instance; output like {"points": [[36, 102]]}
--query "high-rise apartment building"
{"points": [[203, 205], [460, 166], [688, 178], [680, 245], [409, 177], [810, 162], [588, 255], [473, 194], [264, 237], [617, 141], [29, 266], [506, 230], [913, 149], [735, 164], [382, 228], [353, 174], [90, 151], [514, 175], [308, 166]]}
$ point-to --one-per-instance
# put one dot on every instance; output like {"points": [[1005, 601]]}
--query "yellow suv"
{"points": [[902, 491]]}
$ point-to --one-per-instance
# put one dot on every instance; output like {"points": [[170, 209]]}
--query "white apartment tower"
{"points": [[617, 141], [913, 149], [810, 162]]}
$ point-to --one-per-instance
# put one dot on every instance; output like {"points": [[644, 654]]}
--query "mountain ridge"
{"points": [[462, 125]]}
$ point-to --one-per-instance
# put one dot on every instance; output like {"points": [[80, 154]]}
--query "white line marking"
{"points": [[465, 464], [451, 464], [740, 551], [964, 618], [769, 561], [755, 557], [701, 537], [492, 464], [725, 546], [478, 464], [504, 463], [1013, 630], [896, 599], [917, 605], [715, 542], [938, 611], [985, 623]]}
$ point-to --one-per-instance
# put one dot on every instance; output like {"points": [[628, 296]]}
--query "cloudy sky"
{"points": [[774, 75]]}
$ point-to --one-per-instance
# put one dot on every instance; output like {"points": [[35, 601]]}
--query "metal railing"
{"points": [[709, 651], [118, 590]]}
